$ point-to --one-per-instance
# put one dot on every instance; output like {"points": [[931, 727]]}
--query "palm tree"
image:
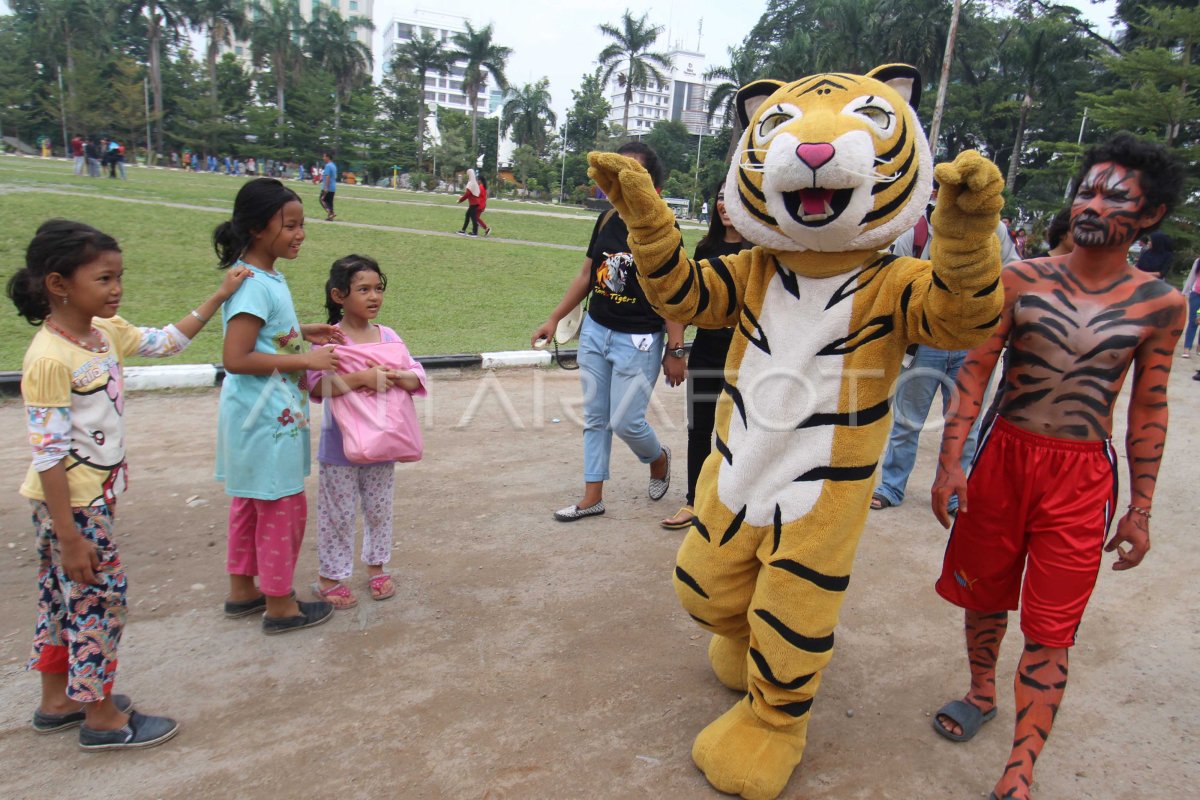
{"points": [[629, 56], [527, 114], [483, 58], [222, 21], [1040, 45], [164, 19], [743, 69], [332, 44], [414, 60], [274, 31]]}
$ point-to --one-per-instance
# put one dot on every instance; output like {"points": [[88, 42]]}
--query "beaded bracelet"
{"points": [[1145, 512]]}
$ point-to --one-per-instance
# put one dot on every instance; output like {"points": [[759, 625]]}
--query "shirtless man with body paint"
{"points": [[1043, 489]]}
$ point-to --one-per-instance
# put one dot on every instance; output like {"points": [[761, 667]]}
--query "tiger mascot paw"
{"points": [[740, 754], [631, 191], [970, 194], [728, 659]]}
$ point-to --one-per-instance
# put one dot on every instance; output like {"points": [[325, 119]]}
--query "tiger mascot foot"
{"points": [[740, 754], [728, 659]]}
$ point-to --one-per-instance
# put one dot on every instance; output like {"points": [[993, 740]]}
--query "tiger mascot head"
{"points": [[830, 163]]}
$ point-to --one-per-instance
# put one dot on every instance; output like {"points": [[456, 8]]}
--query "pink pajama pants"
{"points": [[265, 538], [341, 490]]}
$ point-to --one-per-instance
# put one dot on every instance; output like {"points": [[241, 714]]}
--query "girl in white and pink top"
{"points": [[354, 295]]}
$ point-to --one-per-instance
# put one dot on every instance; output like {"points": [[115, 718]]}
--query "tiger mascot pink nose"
{"points": [[815, 155]]}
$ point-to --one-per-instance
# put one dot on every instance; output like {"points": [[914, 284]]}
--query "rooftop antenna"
{"points": [[699, 35]]}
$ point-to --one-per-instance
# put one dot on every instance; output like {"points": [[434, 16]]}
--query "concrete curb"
{"points": [[200, 376]]}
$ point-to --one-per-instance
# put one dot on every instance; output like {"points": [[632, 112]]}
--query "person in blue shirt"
{"points": [[328, 186]]}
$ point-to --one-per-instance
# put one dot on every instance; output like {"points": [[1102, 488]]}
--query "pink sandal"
{"points": [[339, 595], [382, 587]]}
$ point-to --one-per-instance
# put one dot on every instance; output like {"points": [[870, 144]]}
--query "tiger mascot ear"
{"points": [[751, 96], [901, 77]]}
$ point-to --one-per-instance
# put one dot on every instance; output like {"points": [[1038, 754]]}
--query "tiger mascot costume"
{"points": [[831, 168]]}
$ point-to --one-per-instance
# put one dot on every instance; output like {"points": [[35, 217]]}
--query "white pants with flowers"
{"points": [[340, 492]]}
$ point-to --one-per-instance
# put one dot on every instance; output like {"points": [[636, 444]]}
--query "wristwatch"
{"points": [[677, 352]]}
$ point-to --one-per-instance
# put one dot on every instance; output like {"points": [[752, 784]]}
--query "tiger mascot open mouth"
{"points": [[830, 170]]}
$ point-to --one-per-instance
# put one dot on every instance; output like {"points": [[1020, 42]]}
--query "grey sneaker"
{"points": [[488, 232], [140, 731], [657, 489], [52, 723], [572, 513], [311, 614]]}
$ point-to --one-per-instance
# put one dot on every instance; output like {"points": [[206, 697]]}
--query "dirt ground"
{"points": [[525, 658]]}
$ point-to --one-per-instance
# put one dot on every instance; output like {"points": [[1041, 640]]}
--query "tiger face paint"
{"points": [[1110, 208]]}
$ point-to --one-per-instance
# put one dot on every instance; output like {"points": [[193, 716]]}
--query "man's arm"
{"points": [[970, 390], [1146, 433]]}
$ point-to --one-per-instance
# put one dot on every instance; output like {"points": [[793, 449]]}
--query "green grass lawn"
{"points": [[445, 294]]}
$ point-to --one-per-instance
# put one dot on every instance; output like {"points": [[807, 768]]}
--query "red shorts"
{"points": [[1038, 506]]}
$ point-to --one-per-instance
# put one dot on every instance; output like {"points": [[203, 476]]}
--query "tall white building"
{"points": [[446, 90], [347, 8], [683, 97]]}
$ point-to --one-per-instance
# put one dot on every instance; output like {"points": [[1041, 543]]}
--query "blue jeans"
{"points": [[618, 380], [931, 370], [1189, 335]]}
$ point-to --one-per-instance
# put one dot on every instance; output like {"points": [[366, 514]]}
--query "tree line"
{"points": [[1031, 84]]}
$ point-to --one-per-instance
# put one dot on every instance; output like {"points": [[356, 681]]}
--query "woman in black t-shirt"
{"points": [[706, 364], [620, 351]]}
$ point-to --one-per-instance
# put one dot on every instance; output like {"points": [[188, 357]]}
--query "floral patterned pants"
{"points": [[79, 624], [341, 490]]}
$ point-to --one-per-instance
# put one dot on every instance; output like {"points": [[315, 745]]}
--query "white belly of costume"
{"points": [[780, 390]]}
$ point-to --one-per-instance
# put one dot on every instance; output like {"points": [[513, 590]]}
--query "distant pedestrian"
{"points": [[77, 152], [476, 197], [328, 186]]}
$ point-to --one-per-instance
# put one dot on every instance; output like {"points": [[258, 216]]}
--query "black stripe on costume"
{"points": [[875, 328], [891, 205], [788, 278], [899, 146], [991, 287], [991, 323], [701, 529], [838, 473], [703, 622], [900, 172], [821, 83], [719, 266], [761, 342], [734, 526], [809, 644], [797, 709], [777, 526], [755, 192], [853, 419], [723, 449], [679, 296], [736, 396], [764, 669], [690, 582], [670, 264], [939, 283], [763, 216], [830, 583], [859, 280], [905, 299]]}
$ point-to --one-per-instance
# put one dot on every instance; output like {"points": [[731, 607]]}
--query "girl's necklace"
{"points": [[91, 348]]}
